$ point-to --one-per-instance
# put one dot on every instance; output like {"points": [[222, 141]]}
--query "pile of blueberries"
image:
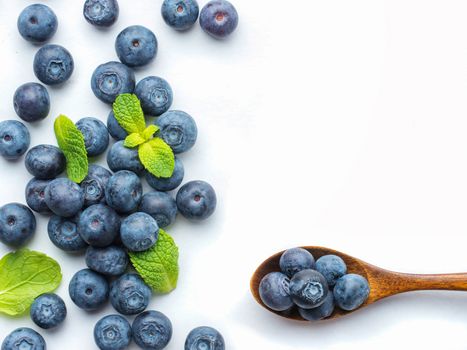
{"points": [[106, 215], [314, 287]]}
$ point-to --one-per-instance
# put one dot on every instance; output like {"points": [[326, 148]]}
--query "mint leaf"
{"points": [[150, 131], [133, 140], [157, 157], [158, 266], [128, 112], [24, 275], [71, 142]]}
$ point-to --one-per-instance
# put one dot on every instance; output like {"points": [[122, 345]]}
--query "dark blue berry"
{"points": [[196, 200], [178, 129], [35, 195], [308, 289], [332, 267], [110, 261], [88, 289], [180, 14], [321, 312], [24, 339], [112, 79], [295, 260], [53, 64], [351, 291], [155, 95], [139, 232], [274, 291], [48, 310], [96, 136], [31, 102], [17, 224], [204, 338], [112, 332], [124, 191], [161, 206], [167, 183], [94, 184], [115, 130], [63, 233], [45, 161], [64, 197], [136, 46], [129, 295], [37, 23], [14, 139], [101, 13], [99, 225], [152, 330], [120, 157], [218, 18]]}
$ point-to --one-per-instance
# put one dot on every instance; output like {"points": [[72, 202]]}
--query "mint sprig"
{"points": [[155, 155], [71, 142]]}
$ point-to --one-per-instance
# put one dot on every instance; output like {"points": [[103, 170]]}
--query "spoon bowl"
{"points": [[383, 283]]}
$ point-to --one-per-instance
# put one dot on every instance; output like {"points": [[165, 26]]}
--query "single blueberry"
{"points": [[96, 135], [115, 130], [35, 195], [152, 330], [321, 312], [101, 13], [295, 260], [155, 95], [14, 139], [112, 332], [274, 291], [48, 310], [124, 191], [167, 183], [178, 129], [136, 46], [64, 197], [37, 23], [45, 162], [88, 289], [110, 261], [139, 232], [129, 295], [196, 200], [218, 18], [17, 224], [180, 14], [99, 225], [53, 64], [94, 184], [332, 267], [31, 102], [351, 291], [308, 289], [112, 79], [161, 206], [63, 233], [120, 157], [24, 339], [204, 338]]}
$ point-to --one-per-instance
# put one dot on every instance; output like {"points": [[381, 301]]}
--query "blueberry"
{"points": [[94, 184], [218, 18], [112, 79], [115, 130], [161, 206], [129, 295], [351, 291], [37, 23], [295, 260], [178, 129], [321, 312], [48, 310], [124, 191], [101, 13], [112, 332], [139, 232], [64, 197], [120, 157], [14, 139], [204, 338], [45, 161], [96, 136], [31, 102], [152, 330], [155, 95], [170, 183], [22, 339], [35, 195], [53, 64], [110, 261], [308, 289], [180, 14], [63, 233], [136, 46], [99, 225], [196, 200], [274, 291], [17, 224], [88, 289], [332, 267]]}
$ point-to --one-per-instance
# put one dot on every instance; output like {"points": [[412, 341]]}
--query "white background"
{"points": [[334, 123]]}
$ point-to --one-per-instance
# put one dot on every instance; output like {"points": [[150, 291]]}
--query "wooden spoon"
{"points": [[383, 283]]}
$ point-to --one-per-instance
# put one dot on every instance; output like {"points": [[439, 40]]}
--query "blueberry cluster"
{"points": [[314, 287]]}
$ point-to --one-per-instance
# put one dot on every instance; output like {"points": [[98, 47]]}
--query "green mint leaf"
{"points": [[128, 112], [24, 275], [71, 142], [158, 266], [150, 131], [157, 157], [133, 140]]}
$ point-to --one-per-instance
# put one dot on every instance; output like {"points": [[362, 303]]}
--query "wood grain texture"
{"points": [[383, 283]]}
